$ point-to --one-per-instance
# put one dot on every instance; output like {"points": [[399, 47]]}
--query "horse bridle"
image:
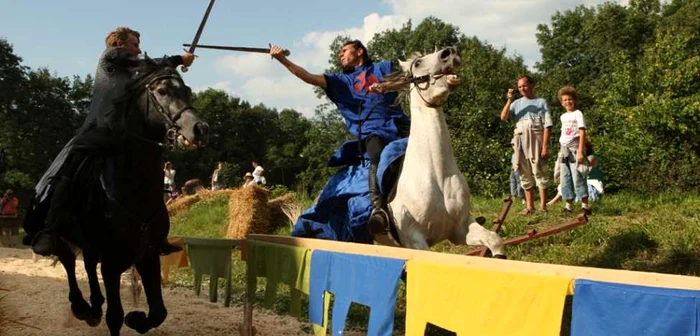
{"points": [[172, 130], [171, 133], [416, 81]]}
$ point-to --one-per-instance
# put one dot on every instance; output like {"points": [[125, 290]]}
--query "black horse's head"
{"points": [[161, 94]]}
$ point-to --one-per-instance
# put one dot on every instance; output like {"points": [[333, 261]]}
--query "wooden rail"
{"points": [[577, 272]]}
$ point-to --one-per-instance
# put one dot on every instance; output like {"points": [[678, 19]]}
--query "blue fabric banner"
{"points": [[371, 281], [602, 308]]}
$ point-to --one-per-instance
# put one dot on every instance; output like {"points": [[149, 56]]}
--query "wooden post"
{"points": [[534, 234], [249, 297], [498, 222], [248, 315]]}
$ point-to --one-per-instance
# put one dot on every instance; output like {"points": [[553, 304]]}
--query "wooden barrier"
{"points": [[576, 272]]}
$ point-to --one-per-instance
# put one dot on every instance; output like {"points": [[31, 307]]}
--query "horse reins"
{"points": [[172, 130], [416, 81]]}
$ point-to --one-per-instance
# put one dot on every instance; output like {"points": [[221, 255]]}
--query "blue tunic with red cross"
{"points": [[365, 112], [343, 208]]}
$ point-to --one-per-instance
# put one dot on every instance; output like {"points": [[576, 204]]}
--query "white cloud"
{"points": [[268, 82], [502, 23], [225, 86], [314, 45], [281, 92], [247, 64]]}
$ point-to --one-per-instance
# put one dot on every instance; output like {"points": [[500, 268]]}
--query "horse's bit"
{"points": [[420, 80], [172, 130]]}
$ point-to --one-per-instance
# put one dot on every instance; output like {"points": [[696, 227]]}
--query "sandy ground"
{"points": [[36, 294]]}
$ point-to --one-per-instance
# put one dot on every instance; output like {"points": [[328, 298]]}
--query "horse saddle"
{"points": [[388, 173]]}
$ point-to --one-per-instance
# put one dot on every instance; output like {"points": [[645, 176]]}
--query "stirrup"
{"points": [[169, 248], [378, 223]]}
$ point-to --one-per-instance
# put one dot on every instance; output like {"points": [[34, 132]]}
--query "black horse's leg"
{"points": [[149, 268], [79, 306], [96, 298], [115, 312]]}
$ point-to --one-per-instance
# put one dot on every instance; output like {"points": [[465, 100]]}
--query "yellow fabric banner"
{"points": [[471, 301]]}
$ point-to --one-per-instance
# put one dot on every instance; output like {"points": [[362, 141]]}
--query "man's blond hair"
{"points": [[121, 34]]}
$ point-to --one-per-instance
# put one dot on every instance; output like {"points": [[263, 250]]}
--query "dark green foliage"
{"points": [[636, 69]]}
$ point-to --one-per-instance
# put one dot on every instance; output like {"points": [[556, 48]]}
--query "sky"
{"points": [[67, 36]]}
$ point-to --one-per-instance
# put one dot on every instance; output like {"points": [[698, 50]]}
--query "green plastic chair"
{"points": [[213, 257]]}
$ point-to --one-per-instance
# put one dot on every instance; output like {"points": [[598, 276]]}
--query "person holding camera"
{"points": [[533, 123]]}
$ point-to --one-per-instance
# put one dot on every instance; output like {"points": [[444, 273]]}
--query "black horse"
{"points": [[120, 219]]}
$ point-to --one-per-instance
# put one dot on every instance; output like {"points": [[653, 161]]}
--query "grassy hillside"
{"points": [[646, 233]]}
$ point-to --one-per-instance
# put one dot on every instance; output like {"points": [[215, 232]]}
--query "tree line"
{"points": [[636, 68]]}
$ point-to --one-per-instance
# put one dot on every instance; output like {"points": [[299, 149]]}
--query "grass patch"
{"points": [[657, 233], [206, 219]]}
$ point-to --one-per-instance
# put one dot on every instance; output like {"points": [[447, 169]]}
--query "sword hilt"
{"points": [[185, 68], [284, 51]]}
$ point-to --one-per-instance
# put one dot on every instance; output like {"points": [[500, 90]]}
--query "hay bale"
{"points": [[185, 202], [182, 203], [207, 194], [248, 212], [283, 211]]}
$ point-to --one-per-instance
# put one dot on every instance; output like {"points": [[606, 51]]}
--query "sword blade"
{"points": [[193, 46], [246, 49]]}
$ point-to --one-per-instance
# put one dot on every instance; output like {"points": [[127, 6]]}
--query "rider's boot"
{"points": [[44, 243], [379, 219], [169, 248]]}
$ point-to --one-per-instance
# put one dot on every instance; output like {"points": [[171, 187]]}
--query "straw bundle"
{"points": [[248, 212], [185, 202], [207, 194], [284, 210], [182, 203]]}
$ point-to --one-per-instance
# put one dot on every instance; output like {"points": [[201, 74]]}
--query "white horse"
{"points": [[432, 201]]}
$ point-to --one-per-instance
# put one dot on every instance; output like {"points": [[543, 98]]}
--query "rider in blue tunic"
{"points": [[343, 209]]}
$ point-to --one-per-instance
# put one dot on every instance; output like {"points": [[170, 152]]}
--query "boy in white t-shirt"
{"points": [[573, 164]]}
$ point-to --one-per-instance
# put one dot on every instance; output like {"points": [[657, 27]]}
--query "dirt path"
{"points": [[36, 294]]}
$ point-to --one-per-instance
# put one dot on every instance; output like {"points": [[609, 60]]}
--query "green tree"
{"points": [[284, 151], [40, 113], [324, 136], [239, 134], [636, 68], [479, 139]]}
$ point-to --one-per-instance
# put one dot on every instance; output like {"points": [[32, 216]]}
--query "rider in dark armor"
{"points": [[87, 157]]}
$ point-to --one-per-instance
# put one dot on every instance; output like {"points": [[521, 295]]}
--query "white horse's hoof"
{"points": [[500, 256]]}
